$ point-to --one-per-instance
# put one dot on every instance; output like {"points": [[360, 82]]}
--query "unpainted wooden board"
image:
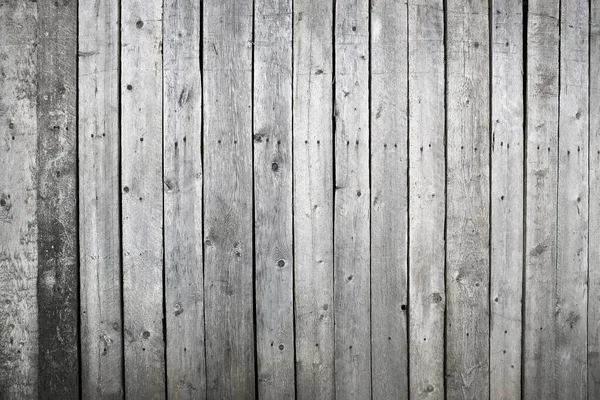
{"points": [[427, 177], [313, 198]]}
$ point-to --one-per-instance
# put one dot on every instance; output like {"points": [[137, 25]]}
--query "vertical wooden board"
{"points": [[573, 162], [273, 198], [228, 233], [541, 189], [427, 177], [352, 201], [389, 212], [182, 135], [58, 366], [313, 198], [506, 280], [99, 203], [142, 197], [18, 226], [468, 191]]}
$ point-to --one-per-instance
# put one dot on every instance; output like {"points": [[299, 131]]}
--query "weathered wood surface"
{"points": [[99, 201]]}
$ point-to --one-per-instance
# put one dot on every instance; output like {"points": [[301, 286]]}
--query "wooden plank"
{"points": [[18, 225], [389, 201], [313, 198], [541, 189], [352, 201], [468, 191], [99, 203], [57, 292], [228, 237], [427, 172], [182, 127], [506, 268], [573, 162], [142, 198], [273, 198]]}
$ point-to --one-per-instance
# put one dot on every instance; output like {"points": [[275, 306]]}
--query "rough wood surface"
{"points": [[142, 197], [313, 198], [182, 133], [427, 172], [228, 203], [389, 200]]}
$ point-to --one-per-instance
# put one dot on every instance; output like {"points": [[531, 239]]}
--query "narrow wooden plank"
{"points": [[273, 198], [539, 366], [352, 201], [573, 162], [142, 197], [58, 366], [18, 225], [182, 135], [506, 269], [99, 203], [468, 191], [427, 178], [228, 233], [313, 198], [389, 201]]}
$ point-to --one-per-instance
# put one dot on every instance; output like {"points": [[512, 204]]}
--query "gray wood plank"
{"points": [[313, 198], [57, 292], [228, 233], [539, 365], [18, 224], [182, 132], [99, 203], [506, 268], [389, 201], [427, 178], [142, 197], [272, 114], [352, 201], [573, 162], [468, 191]]}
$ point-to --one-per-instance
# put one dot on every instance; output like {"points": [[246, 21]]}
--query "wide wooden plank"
{"points": [[18, 225], [142, 197], [506, 268], [57, 295], [228, 230], [572, 240], [182, 135], [389, 201], [539, 366], [427, 179], [99, 203], [273, 198], [313, 198], [468, 202], [352, 201]]}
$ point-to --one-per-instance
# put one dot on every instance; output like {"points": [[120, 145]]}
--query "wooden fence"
{"points": [[312, 199]]}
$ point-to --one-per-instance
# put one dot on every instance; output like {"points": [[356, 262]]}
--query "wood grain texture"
{"points": [[142, 197], [389, 200], [182, 135], [228, 203], [352, 201], [313, 198], [572, 240], [539, 365], [57, 294], [99, 203], [468, 190], [506, 268], [18, 192], [274, 259], [427, 172]]}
